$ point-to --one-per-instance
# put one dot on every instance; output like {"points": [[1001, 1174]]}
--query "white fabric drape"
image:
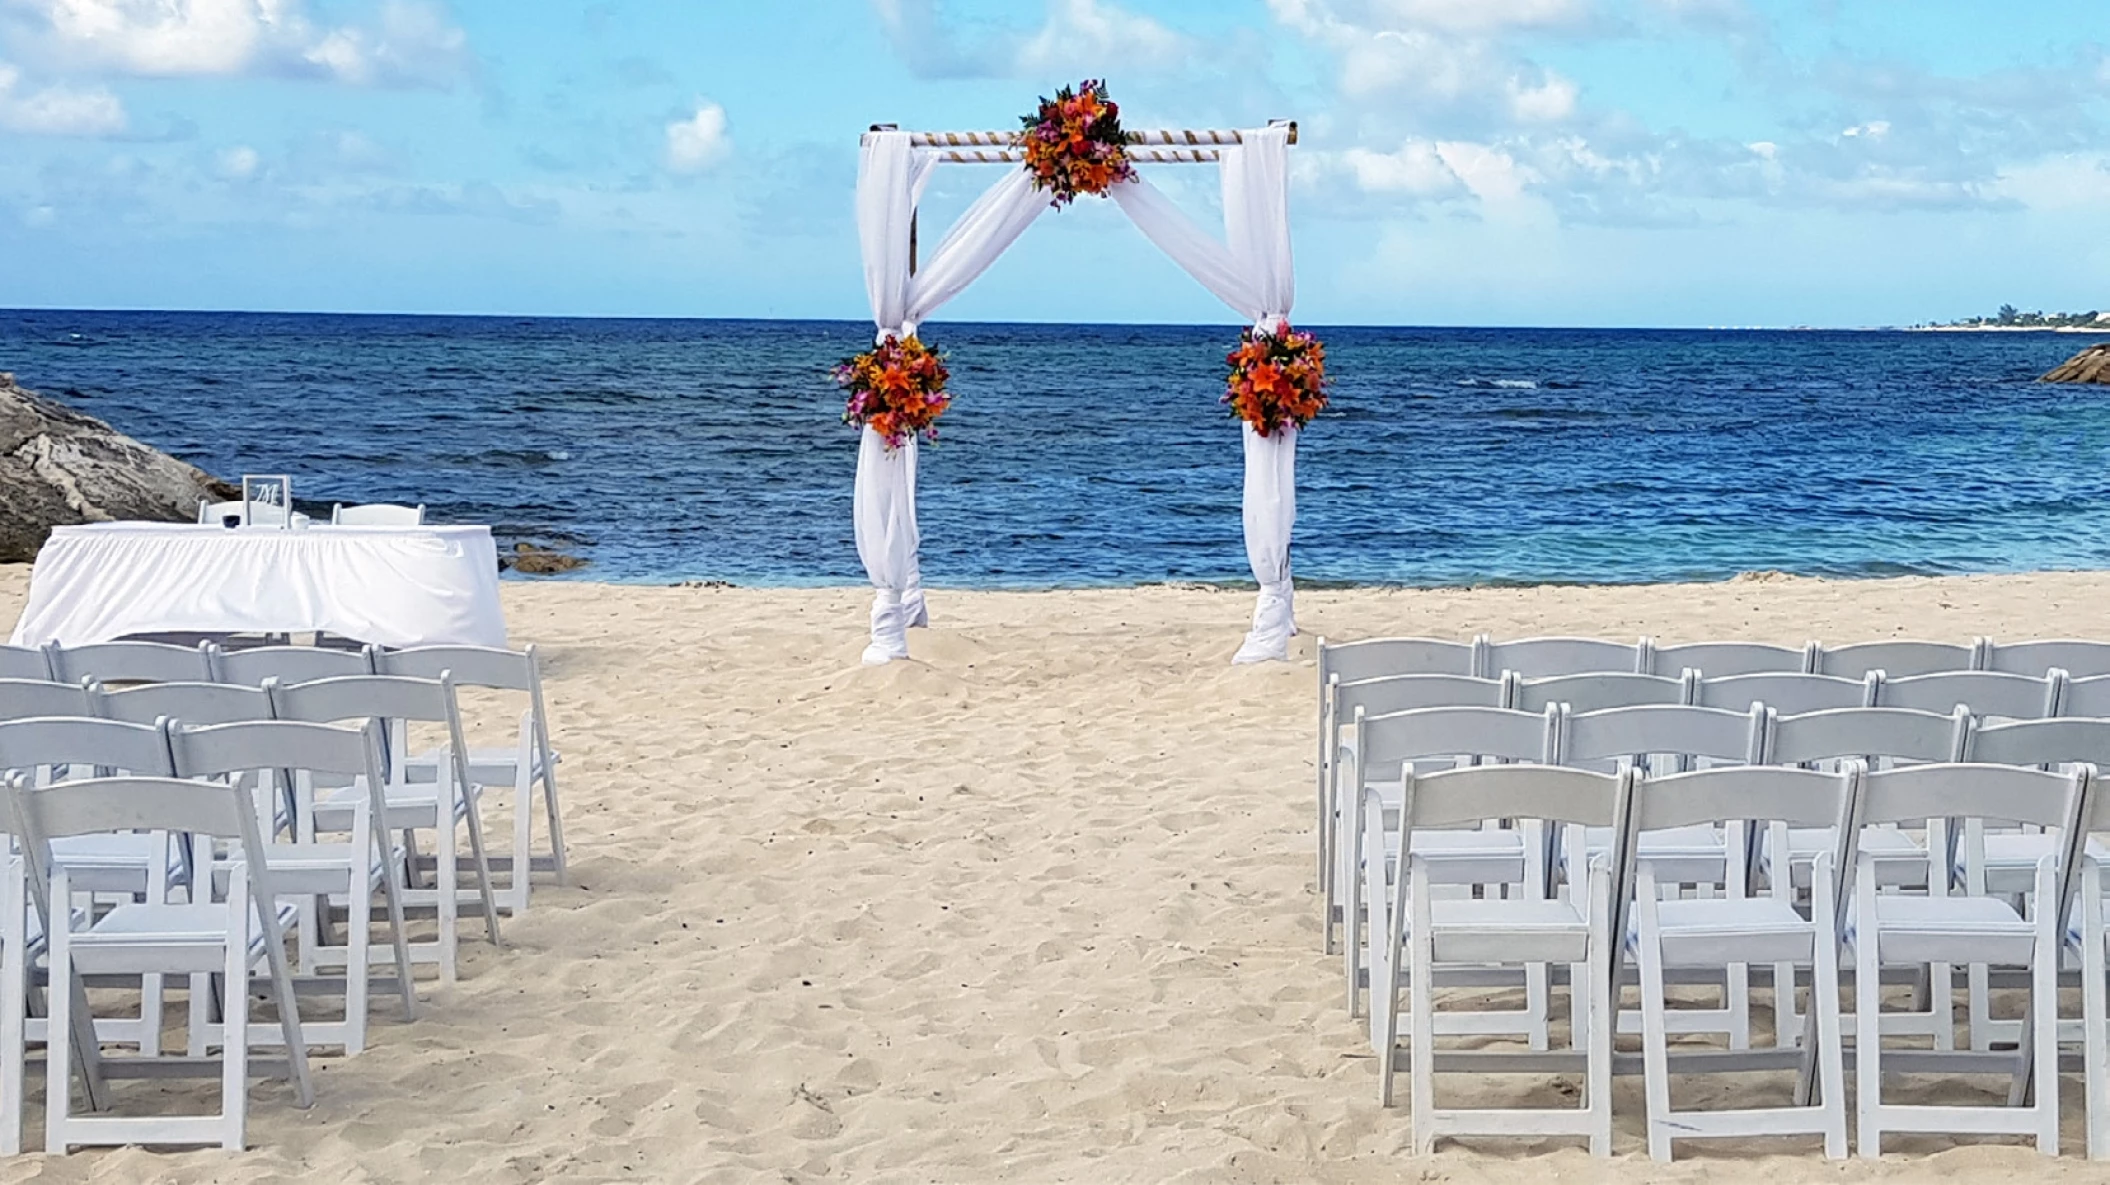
{"points": [[891, 176], [1252, 271]]}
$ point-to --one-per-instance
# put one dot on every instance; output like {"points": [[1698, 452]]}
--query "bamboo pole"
{"points": [[1170, 143]]}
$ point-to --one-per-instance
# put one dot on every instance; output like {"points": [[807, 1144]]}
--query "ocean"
{"points": [[1098, 455]]}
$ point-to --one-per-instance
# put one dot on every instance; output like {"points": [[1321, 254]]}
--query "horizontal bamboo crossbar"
{"points": [[1186, 146]]}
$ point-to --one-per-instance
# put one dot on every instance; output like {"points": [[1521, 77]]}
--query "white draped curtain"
{"points": [[1249, 269]]}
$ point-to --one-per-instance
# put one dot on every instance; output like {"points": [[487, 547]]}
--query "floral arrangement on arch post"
{"points": [[1074, 144], [1276, 379], [897, 389]]}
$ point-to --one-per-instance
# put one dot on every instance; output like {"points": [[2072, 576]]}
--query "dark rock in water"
{"points": [[535, 560], [2091, 365], [59, 467]]}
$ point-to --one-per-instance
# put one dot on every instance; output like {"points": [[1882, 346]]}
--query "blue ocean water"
{"points": [[1098, 455]]}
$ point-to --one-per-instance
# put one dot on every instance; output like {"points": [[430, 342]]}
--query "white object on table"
{"points": [[396, 586]]}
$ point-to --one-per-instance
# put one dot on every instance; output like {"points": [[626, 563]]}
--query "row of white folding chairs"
{"points": [[527, 767], [1425, 933], [203, 787], [1531, 657], [1990, 694]]}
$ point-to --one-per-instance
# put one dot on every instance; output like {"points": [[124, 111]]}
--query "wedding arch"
{"points": [[1248, 268]]}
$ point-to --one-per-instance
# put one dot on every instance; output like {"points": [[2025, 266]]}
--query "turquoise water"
{"points": [[1097, 455]]}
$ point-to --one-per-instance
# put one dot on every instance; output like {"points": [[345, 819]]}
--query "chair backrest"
{"points": [[1715, 660], [21, 698], [96, 805], [378, 514], [1538, 658], [2081, 660], [365, 697], [140, 749], [471, 666], [131, 662], [1452, 797], [1675, 730], [1386, 743], [1867, 734], [2089, 698], [1790, 695], [2042, 742], [193, 703], [1985, 693], [213, 750], [258, 514], [1897, 659], [21, 662], [1378, 658], [1761, 793], [1598, 691], [1955, 790], [1405, 693], [288, 664]]}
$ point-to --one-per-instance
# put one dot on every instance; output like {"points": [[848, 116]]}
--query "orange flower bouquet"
{"points": [[897, 389], [1074, 143], [1276, 379]]}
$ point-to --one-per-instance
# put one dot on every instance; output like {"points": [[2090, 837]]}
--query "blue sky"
{"points": [[1504, 162]]}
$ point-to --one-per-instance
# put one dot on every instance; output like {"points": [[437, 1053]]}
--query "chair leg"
{"points": [[1603, 1020], [447, 874], [518, 884], [1422, 1018], [479, 854], [2095, 1025], [2044, 1020], [358, 940], [14, 1007], [234, 1041], [1655, 1042], [1868, 1026], [58, 1058], [1787, 1019]]}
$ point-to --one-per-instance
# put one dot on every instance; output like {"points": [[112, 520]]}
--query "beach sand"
{"points": [[1035, 906]]}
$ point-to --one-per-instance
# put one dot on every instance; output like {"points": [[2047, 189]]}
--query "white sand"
{"points": [[1034, 907]]}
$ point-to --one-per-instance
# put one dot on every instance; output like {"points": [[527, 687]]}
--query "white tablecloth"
{"points": [[399, 586]]}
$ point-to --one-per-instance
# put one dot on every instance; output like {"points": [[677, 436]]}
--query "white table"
{"points": [[398, 586]]}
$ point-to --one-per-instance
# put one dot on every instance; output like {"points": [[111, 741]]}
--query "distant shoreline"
{"points": [[2102, 330]]}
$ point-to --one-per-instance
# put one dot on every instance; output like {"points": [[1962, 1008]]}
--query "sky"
{"points": [[1460, 162]]}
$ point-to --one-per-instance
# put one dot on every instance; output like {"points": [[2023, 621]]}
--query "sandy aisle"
{"points": [[1035, 907]]}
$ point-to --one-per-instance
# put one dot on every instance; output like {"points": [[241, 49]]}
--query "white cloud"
{"points": [[411, 44], [1491, 174], [57, 110], [1090, 37], [700, 141], [239, 163], [1483, 16], [1416, 169], [1549, 102], [1874, 129], [2067, 183]]}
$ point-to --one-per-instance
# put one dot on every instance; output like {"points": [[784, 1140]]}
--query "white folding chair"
{"points": [[528, 766], [313, 872], [230, 937], [21, 662], [1377, 697], [1787, 694], [2080, 660], [1716, 660], [441, 806], [1386, 748], [377, 514], [1940, 929], [1673, 737], [1572, 928], [251, 666], [1355, 662], [21, 699], [1988, 694], [1731, 932], [1538, 658], [148, 866], [1897, 658], [1597, 691], [130, 662]]}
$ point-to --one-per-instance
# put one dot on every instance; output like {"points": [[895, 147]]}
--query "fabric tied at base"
{"points": [[1270, 516], [887, 539]]}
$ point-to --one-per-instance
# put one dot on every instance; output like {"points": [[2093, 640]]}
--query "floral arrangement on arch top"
{"points": [[1074, 143]]}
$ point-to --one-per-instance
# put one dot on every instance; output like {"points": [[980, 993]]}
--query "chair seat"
{"points": [[1901, 861], [155, 937], [1714, 932], [1509, 931], [2011, 859], [1947, 929], [501, 765], [1696, 855]]}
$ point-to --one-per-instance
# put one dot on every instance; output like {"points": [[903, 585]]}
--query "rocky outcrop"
{"points": [[59, 467], [533, 559], [2091, 365]]}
